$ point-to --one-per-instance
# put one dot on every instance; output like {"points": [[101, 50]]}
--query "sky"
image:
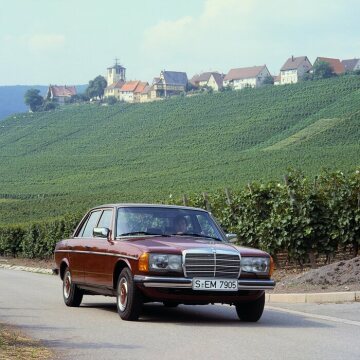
{"points": [[72, 41]]}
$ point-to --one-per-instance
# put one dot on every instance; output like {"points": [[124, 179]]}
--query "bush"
{"points": [[302, 217], [37, 240], [10, 240]]}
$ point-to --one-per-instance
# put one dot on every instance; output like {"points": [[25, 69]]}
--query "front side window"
{"points": [[90, 224], [105, 220]]}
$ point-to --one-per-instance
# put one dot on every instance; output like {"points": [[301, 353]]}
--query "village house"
{"points": [[145, 94], [60, 93], [115, 78], [139, 91], [294, 69], [114, 89], [246, 77], [277, 79], [131, 91], [169, 83], [335, 64], [212, 80], [351, 65]]}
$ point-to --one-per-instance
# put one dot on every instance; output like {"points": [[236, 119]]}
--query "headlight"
{"points": [[165, 262], [258, 265]]}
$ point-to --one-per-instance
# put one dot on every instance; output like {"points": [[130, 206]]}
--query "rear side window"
{"points": [[90, 224]]}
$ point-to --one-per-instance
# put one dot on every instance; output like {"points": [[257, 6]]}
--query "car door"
{"points": [[78, 247], [98, 265]]}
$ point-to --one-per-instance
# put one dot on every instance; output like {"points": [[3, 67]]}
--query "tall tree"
{"points": [[322, 70], [33, 99], [96, 87]]}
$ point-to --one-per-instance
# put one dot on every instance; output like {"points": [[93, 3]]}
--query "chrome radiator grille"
{"points": [[221, 264]]}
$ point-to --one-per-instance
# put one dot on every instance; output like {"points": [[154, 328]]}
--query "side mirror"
{"points": [[101, 232], [232, 238]]}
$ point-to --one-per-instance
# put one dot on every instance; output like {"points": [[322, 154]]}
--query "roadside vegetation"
{"points": [[14, 345], [304, 217]]}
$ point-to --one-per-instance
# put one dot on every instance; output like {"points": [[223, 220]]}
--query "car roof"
{"points": [[164, 206]]}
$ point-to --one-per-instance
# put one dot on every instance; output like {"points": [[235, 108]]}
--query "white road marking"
{"points": [[316, 316]]}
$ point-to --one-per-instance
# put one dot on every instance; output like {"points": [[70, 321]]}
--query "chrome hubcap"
{"points": [[122, 294], [67, 284]]}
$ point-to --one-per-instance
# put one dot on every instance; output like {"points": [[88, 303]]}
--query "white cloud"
{"points": [[44, 42], [230, 33]]}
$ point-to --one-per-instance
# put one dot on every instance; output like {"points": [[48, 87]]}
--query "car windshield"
{"points": [[165, 221]]}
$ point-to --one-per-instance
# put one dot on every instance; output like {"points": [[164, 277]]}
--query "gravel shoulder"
{"points": [[336, 277]]}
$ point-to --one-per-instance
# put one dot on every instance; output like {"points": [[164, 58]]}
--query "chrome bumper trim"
{"points": [[185, 283]]}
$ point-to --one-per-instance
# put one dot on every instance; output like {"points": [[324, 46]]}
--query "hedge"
{"points": [[36, 240], [304, 217]]}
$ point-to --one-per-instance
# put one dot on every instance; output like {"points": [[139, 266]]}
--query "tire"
{"points": [[128, 298], [251, 311], [71, 293]]}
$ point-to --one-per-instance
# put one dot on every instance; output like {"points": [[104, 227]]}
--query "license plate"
{"points": [[215, 284]]}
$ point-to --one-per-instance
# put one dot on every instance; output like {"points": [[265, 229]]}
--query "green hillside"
{"points": [[83, 155]]}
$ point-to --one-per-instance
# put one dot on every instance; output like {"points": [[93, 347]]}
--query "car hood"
{"points": [[177, 244]]}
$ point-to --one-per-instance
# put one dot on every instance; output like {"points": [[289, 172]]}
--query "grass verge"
{"points": [[15, 345]]}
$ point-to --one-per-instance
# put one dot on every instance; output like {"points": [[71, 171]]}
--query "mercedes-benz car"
{"points": [[143, 253]]}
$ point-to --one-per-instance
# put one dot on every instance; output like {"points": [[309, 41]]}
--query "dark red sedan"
{"points": [[170, 254]]}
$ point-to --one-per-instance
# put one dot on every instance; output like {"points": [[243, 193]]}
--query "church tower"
{"points": [[115, 73]]}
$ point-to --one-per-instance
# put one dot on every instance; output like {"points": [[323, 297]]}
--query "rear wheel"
{"points": [[71, 293], [251, 311], [129, 299]]}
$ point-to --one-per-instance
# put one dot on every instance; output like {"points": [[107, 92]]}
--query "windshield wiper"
{"points": [[199, 235], [141, 233]]}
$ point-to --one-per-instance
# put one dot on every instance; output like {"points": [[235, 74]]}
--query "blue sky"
{"points": [[72, 41]]}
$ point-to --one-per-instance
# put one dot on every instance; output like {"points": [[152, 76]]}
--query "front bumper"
{"points": [[186, 283]]}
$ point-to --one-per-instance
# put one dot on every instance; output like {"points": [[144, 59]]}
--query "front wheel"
{"points": [[71, 293], [129, 300], [251, 311]]}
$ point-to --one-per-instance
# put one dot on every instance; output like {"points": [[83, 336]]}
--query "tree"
{"points": [[111, 100], [96, 87], [191, 87], [226, 88], [78, 98], [307, 77], [322, 70], [33, 99], [268, 80], [48, 106]]}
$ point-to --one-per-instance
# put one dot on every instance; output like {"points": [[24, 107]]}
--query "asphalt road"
{"points": [[95, 331]]}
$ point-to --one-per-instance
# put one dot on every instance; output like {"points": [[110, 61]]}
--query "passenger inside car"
{"points": [[180, 224]]}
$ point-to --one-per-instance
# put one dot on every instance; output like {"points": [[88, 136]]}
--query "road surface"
{"points": [[95, 331]]}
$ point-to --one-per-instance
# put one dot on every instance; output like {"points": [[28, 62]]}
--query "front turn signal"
{"points": [[144, 262], [272, 266]]}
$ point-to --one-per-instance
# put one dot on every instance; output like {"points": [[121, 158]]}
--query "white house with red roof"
{"points": [[131, 91], [241, 78], [60, 92], [294, 69]]}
